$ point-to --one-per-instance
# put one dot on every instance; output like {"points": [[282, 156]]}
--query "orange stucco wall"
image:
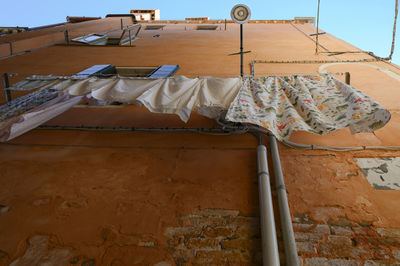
{"points": [[73, 184]]}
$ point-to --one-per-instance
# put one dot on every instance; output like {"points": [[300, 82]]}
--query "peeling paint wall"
{"points": [[381, 173]]}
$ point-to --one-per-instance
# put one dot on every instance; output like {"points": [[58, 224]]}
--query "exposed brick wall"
{"points": [[344, 242], [215, 237], [225, 237], [220, 237]]}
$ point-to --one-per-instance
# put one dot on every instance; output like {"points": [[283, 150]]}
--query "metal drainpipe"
{"points": [[289, 242], [268, 231]]}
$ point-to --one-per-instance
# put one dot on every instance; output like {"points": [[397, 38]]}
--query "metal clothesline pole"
{"points": [[6, 84], [316, 38], [241, 50], [347, 78]]}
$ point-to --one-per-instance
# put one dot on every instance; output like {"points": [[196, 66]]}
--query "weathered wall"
{"points": [[149, 198], [123, 198], [142, 187]]}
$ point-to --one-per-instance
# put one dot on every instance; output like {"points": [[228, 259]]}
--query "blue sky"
{"points": [[367, 24]]}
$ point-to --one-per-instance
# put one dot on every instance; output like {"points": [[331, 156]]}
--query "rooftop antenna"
{"points": [[241, 14]]}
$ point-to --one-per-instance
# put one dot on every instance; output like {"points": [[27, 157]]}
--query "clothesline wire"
{"points": [[347, 52], [388, 58], [145, 76]]}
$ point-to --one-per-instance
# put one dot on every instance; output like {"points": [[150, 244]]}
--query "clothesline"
{"points": [[32, 76], [315, 103]]}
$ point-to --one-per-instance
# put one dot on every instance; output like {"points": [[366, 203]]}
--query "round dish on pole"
{"points": [[240, 14]]}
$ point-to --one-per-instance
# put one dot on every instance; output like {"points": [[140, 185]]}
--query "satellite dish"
{"points": [[240, 13]]}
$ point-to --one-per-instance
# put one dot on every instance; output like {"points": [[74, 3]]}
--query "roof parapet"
{"points": [[304, 20], [198, 19], [80, 19], [222, 21]]}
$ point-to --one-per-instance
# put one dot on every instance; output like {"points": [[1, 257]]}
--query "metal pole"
{"points": [[6, 84], [66, 36], [348, 78], [241, 50], [316, 43], [225, 24], [122, 24], [130, 38], [268, 233], [289, 242]]}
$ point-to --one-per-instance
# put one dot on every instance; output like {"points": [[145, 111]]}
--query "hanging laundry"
{"points": [[25, 103], [318, 104]]}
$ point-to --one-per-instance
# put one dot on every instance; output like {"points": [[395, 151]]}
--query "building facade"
{"points": [[97, 195]]}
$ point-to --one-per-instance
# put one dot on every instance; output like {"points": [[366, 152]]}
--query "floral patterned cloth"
{"points": [[318, 104]]}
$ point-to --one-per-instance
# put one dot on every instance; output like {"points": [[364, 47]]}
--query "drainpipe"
{"points": [[289, 242], [268, 232]]}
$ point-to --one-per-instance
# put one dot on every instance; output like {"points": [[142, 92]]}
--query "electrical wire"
{"points": [[253, 62], [322, 147], [308, 36], [396, 11], [206, 131], [227, 128]]}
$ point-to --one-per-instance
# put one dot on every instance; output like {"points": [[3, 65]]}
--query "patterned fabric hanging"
{"points": [[318, 104], [25, 103]]}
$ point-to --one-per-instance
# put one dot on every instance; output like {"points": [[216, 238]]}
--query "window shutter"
{"points": [[164, 71]]}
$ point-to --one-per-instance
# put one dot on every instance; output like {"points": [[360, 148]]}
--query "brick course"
{"points": [[216, 237], [346, 243], [220, 237]]}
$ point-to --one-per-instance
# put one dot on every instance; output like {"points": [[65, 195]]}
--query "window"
{"points": [[134, 71], [105, 71], [92, 39], [163, 71], [114, 37], [207, 27], [154, 27], [97, 70]]}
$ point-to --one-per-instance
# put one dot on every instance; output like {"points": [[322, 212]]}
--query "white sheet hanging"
{"points": [[179, 95]]}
